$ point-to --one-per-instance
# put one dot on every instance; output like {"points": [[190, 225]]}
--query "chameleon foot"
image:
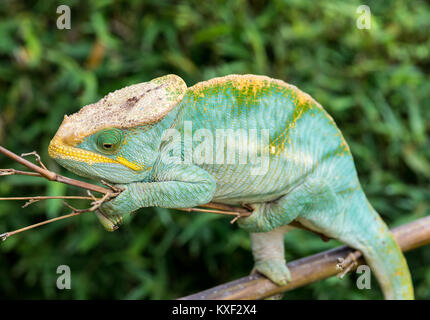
{"points": [[109, 222], [274, 269], [256, 222]]}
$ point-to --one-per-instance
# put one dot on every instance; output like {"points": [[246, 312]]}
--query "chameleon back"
{"points": [[301, 137]]}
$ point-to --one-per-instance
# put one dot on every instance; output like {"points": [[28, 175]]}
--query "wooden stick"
{"points": [[243, 212], [94, 206], [311, 269], [37, 198], [6, 235], [9, 172]]}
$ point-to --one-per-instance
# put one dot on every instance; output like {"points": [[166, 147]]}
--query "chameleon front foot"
{"points": [[109, 222], [274, 269]]}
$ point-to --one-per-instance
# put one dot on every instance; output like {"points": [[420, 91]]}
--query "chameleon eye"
{"points": [[109, 141]]}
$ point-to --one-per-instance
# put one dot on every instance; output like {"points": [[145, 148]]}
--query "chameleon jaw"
{"points": [[59, 150]]}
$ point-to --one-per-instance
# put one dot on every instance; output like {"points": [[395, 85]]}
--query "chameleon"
{"points": [[241, 140]]}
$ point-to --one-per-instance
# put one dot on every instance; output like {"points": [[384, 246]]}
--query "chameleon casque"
{"points": [[127, 138]]}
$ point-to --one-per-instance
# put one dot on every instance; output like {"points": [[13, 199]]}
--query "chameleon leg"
{"points": [[269, 222], [181, 188], [268, 252], [299, 201]]}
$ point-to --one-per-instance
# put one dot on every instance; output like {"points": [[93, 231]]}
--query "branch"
{"points": [[94, 206], [47, 174], [37, 198], [313, 268], [42, 171], [240, 212]]}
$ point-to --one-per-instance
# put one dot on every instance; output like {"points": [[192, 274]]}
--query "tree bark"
{"points": [[311, 269]]}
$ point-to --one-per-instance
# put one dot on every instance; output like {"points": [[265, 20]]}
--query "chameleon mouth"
{"points": [[59, 150]]}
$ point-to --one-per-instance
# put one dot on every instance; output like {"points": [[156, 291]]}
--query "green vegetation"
{"points": [[375, 84]]}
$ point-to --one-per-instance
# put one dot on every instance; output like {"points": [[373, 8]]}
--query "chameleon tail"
{"points": [[369, 234]]}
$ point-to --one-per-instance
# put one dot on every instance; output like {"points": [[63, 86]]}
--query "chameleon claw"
{"points": [[275, 270], [247, 206], [133, 213], [110, 223]]}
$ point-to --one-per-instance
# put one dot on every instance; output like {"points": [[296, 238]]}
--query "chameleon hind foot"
{"points": [[274, 269], [110, 222], [268, 252]]}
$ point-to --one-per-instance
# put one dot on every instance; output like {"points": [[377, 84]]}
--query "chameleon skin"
{"points": [[309, 174]]}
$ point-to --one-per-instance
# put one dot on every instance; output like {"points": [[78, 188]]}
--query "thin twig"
{"points": [[42, 171], [35, 199], [95, 205], [47, 198], [347, 264], [38, 159], [6, 235], [208, 210], [9, 172], [243, 211]]}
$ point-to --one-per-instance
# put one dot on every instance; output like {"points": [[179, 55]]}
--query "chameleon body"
{"points": [[297, 164]]}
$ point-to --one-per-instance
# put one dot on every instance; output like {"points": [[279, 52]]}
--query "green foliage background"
{"points": [[375, 83]]}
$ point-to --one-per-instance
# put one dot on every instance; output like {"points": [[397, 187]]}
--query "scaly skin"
{"points": [[306, 172]]}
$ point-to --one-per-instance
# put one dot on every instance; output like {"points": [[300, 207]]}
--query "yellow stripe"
{"points": [[129, 164], [57, 149]]}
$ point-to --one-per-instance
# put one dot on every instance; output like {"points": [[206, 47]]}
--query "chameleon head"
{"points": [[114, 138]]}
